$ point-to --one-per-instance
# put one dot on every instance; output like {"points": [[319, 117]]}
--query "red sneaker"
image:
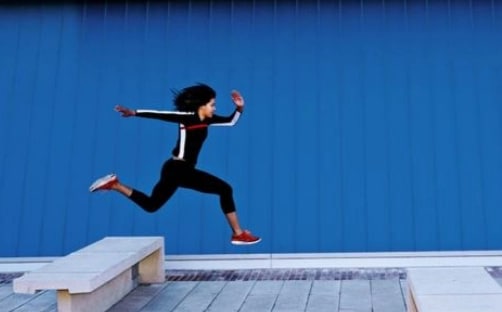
{"points": [[105, 183], [245, 238]]}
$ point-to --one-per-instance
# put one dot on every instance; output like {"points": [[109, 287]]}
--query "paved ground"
{"points": [[357, 290]]}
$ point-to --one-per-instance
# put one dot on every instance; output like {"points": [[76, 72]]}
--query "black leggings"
{"points": [[178, 173]]}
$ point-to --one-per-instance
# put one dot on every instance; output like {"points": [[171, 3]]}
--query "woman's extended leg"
{"points": [[161, 192], [207, 183]]}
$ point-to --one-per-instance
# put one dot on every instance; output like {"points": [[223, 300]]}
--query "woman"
{"points": [[195, 106]]}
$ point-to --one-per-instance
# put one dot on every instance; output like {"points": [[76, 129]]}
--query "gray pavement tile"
{"points": [[355, 295], [260, 302], [5, 291], [200, 297], [138, 298], [232, 296], [170, 296], [14, 301], [266, 287], [323, 287], [324, 296], [293, 296], [323, 303], [262, 296], [41, 303], [387, 296]]}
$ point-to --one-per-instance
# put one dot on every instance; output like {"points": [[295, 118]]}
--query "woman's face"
{"points": [[208, 109]]}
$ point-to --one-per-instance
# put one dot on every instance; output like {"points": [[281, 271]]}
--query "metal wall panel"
{"points": [[368, 126]]}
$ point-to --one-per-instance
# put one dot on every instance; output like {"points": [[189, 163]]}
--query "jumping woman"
{"points": [[195, 106]]}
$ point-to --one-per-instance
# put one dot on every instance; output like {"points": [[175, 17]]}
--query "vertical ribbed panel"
{"points": [[368, 126]]}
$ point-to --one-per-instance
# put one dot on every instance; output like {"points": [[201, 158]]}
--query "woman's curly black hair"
{"points": [[189, 99]]}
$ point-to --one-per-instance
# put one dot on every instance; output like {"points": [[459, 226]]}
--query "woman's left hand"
{"points": [[237, 99]]}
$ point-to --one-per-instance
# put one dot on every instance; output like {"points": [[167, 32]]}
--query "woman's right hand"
{"points": [[124, 111]]}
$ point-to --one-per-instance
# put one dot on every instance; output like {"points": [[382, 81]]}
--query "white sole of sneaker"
{"points": [[239, 243], [101, 181]]}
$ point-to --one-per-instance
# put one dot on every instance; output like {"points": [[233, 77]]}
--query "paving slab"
{"points": [[293, 296], [41, 303], [5, 290], [169, 297], [387, 296], [262, 296], [138, 298], [15, 301], [200, 297], [355, 296], [231, 297], [324, 296]]}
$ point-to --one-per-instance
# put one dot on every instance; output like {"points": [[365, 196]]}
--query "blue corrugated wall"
{"points": [[368, 126]]}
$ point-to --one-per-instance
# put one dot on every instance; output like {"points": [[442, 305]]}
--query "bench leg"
{"points": [[151, 269], [99, 300]]}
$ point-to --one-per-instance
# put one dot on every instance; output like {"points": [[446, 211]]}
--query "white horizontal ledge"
{"points": [[300, 260], [336, 260]]}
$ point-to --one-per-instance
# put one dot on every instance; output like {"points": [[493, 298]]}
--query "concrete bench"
{"points": [[459, 289], [95, 277]]}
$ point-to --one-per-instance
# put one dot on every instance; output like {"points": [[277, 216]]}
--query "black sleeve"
{"points": [[217, 120]]}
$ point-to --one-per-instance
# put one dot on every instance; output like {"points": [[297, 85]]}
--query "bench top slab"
{"points": [[124, 244], [78, 263], [445, 281], [74, 282]]}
